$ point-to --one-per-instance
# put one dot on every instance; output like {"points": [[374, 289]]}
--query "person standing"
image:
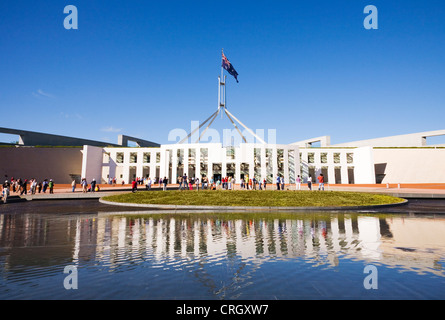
{"points": [[309, 182], [320, 182], [164, 182], [93, 185], [5, 191], [298, 180], [73, 185], [278, 182], [148, 185], [134, 186], [45, 185], [51, 186], [282, 182], [33, 186]]}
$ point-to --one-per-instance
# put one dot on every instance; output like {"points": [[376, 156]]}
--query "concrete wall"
{"points": [[31, 138], [40, 163], [417, 165], [404, 140], [92, 163]]}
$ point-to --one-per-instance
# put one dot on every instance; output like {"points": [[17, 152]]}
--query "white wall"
{"points": [[92, 163], [416, 165], [364, 166]]}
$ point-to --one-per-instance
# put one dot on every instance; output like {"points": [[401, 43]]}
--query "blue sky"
{"points": [[143, 68]]}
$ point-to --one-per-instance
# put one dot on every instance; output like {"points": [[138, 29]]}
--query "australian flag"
{"points": [[229, 67]]}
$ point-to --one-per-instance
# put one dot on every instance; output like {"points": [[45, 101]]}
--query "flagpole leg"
{"points": [[236, 127], [210, 123], [200, 126], [245, 127]]}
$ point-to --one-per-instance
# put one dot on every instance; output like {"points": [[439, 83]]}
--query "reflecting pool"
{"points": [[132, 255]]}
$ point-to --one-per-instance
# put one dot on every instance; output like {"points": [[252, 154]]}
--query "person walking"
{"points": [[134, 186], [164, 182], [84, 185], [309, 182], [73, 185], [278, 182], [282, 182], [24, 187]]}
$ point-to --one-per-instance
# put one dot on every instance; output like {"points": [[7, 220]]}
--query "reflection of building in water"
{"points": [[411, 243], [415, 244], [247, 239]]}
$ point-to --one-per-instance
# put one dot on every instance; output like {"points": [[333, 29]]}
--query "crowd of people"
{"points": [[224, 183], [24, 186]]}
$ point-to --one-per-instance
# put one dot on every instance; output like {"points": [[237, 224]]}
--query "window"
{"points": [[280, 161], [269, 165], [291, 165], [336, 157], [230, 153], [311, 157]]}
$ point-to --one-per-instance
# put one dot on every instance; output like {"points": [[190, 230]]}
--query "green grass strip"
{"points": [[257, 198]]}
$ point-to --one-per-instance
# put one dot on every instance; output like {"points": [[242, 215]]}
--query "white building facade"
{"points": [[212, 160]]}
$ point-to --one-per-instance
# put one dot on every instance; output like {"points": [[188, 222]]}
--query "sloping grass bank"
{"points": [[252, 198]]}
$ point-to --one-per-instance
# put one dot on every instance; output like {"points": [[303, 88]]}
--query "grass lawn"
{"points": [[259, 198]]}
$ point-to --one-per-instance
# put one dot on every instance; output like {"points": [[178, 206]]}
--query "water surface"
{"points": [[217, 256]]}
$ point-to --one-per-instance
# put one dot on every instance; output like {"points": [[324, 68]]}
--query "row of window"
{"points": [[230, 153], [323, 157], [146, 157]]}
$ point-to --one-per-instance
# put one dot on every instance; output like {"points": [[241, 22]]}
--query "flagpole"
{"points": [[222, 97]]}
